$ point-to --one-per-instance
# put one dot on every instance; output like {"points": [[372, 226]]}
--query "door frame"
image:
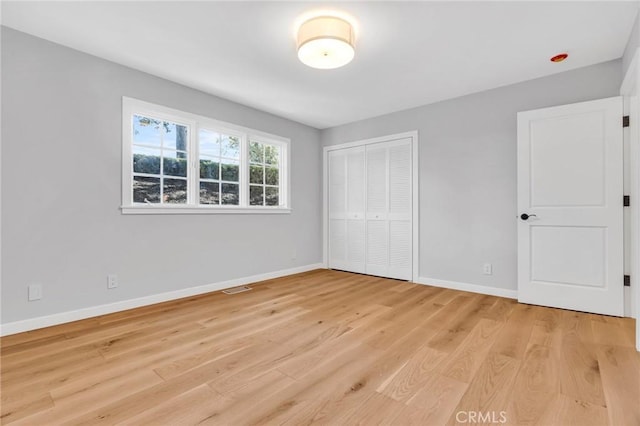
{"points": [[415, 199], [631, 92]]}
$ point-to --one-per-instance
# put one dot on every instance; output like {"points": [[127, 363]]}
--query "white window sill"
{"points": [[146, 209]]}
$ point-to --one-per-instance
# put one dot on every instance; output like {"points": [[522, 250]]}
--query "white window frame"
{"points": [[131, 106]]}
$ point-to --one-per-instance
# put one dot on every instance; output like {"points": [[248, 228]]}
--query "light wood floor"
{"points": [[331, 348]]}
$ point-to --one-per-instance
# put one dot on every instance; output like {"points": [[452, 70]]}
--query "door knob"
{"points": [[525, 216]]}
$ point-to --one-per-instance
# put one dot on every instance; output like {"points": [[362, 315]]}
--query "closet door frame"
{"points": [[413, 135]]}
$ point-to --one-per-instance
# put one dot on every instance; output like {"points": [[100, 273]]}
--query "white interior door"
{"points": [[570, 234]]}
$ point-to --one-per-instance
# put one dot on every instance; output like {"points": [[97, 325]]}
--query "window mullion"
{"points": [[193, 154], [244, 171]]}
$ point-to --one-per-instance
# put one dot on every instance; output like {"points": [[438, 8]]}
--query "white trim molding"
{"points": [[473, 288], [631, 91], [94, 311]]}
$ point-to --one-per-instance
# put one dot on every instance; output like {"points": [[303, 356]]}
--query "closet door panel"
{"points": [[400, 197], [337, 188], [400, 250], [356, 245], [377, 247], [355, 180], [400, 180], [376, 181], [356, 229], [377, 227]]}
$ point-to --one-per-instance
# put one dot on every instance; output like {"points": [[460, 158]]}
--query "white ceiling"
{"points": [[407, 54]]}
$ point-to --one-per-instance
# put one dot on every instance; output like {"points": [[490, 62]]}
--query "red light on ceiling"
{"points": [[560, 57]]}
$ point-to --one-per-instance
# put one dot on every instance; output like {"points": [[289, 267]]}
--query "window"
{"points": [[176, 162], [264, 174], [159, 161], [219, 168]]}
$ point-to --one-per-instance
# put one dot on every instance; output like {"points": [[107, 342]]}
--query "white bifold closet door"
{"points": [[370, 211]]}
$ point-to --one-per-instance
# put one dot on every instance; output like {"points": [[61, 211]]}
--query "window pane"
{"points": [[229, 146], [174, 136], [175, 191], [146, 189], [256, 174], [146, 160], [230, 193], [271, 176], [175, 163], [255, 195], [271, 196], [272, 154], [209, 143], [209, 169], [256, 152], [146, 131], [209, 193], [230, 170]]}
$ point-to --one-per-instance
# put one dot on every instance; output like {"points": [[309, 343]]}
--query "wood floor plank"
{"points": [[620, 371], [490, 389], [80, 397], [200, 402], [536, 386], [567, 411], [413, 375], [580, 371], [435, 402], [466, 359], [326, 347], [514, 336]]}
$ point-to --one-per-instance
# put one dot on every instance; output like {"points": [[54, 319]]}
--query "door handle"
{"points": [[525, 216]]}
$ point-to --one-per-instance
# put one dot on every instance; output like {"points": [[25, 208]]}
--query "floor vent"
{"points": [[236, 290]]}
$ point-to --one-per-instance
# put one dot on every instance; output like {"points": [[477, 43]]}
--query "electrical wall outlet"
{"points": [[34, 292], [487, 269], [112, 281]]}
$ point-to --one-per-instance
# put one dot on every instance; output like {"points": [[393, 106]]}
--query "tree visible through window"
{"points": [[159, 161], [219, 168], [264, 174]]}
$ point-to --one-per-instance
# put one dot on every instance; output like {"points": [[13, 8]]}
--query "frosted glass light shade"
{"points": [[326, 42]]}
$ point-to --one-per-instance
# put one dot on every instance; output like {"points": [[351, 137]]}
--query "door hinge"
{"points": [[625, 121], [627, 280], [626, 201]]}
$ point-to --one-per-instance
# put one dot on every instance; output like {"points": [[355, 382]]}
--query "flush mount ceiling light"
{"points": [[326, 42]]}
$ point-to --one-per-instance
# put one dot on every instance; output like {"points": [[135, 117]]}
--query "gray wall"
{"points": [[468, 169], [632, 45], [61, 184]]}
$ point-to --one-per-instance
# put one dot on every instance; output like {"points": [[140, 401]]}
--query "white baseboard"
{"points": [[473, 288], [94, 311]]}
